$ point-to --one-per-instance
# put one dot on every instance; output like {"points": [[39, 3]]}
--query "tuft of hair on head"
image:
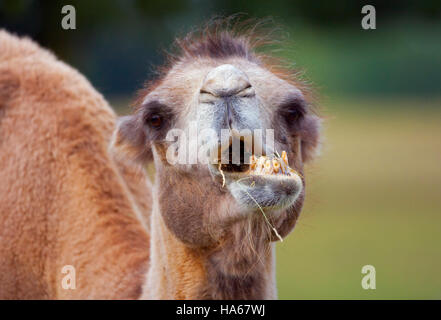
{"points": [[225, 37], [255, 40]]}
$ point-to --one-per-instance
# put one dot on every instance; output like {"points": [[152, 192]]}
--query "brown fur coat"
{"points": [[64, 200]]}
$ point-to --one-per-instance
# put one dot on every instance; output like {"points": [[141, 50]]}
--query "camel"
{"points": [[74, 191]]}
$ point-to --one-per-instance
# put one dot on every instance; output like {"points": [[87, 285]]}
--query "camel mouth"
{"points": [[233, 156], [269, 184], [237, 160], [254, 179], [240, 156]]}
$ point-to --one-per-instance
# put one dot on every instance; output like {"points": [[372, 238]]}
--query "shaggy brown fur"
{"points": [[63, 199]]}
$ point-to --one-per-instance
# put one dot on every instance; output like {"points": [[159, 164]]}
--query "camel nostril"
{"points": [[203, 91]]}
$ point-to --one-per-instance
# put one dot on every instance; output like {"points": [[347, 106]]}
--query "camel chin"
{"points": [[267, 192]]}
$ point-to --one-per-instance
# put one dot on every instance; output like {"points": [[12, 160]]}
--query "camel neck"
{"points": [[232, 271]]}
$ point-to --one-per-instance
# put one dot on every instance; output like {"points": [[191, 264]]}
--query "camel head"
{"points": [[229, 133]]}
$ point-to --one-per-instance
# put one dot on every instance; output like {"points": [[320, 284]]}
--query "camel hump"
{"points": [[9, 85], [63, 199], [12, 47], [15, 47], [31, 77]]}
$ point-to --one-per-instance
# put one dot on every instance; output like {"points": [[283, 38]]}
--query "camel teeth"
{"points": [[283, 167], [260, 165], [276, 166], [252, 162], [261, 161], [268, 167], [284, 157]]}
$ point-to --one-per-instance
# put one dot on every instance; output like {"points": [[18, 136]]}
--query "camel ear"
{"points": [[130, 141], [310, 137]]}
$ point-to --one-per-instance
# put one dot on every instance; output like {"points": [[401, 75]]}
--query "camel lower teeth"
{"points": [[270, 165]]}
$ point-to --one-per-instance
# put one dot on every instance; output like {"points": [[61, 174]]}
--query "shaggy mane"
{"points": [[229, 37], [222, 38]]}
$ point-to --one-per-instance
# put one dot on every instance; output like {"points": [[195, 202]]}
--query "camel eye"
{"points": [[156, 117], [292, 112], [155, 121], [292, 115]]}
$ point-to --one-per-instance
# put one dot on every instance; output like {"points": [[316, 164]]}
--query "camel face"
{"points": [[238, 113], [244, 150], [228, 137]]}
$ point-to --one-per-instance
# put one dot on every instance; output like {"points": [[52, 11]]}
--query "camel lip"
{"points": [[269, 192]]}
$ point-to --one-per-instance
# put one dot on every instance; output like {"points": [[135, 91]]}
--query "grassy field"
{"points": [[374, 197]]}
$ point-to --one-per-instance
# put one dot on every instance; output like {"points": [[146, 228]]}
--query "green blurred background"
{"points": [[374, 196]]}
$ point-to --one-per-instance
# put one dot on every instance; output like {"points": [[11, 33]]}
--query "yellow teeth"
{"points": [[260, 165], [276, 166], [284, 157], [270, 165], [252, 162]]}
